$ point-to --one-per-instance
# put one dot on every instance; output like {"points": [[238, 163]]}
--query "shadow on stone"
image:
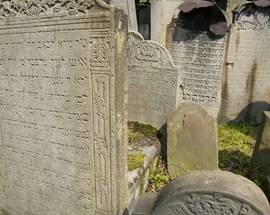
{"points": [[252, 114], [162, 136]]}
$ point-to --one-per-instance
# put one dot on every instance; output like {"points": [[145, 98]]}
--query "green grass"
{"points": [[235, 148], [158, 178]]}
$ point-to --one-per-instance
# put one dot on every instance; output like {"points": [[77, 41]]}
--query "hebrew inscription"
{"points": [[152, 81], [201, 60], [61, 130]]}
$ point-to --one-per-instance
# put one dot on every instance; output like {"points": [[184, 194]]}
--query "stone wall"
{"points": [[62, 108]]}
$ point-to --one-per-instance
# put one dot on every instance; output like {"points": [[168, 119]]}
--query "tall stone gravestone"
{"points": [[247, 88], [192, 140], [200, 57], [62, 103], [152, 83]]}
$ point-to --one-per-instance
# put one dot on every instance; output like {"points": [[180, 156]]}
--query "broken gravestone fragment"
{"points": [[192, 140], [211, 193]]}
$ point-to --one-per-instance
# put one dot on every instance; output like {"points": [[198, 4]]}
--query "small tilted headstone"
{"points": [[211, 193], [192, 140]]}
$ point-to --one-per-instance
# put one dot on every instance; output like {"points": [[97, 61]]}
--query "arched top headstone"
{"points": [[134, 37], [150, 53], [153, 80], [201, 15], [211, 193]]}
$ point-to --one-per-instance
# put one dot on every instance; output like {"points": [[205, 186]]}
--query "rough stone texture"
{"points": [[130, 9], [192, 140], [262, 150], [201, 62], [62, 108], [145, 204], [134, 37], [162, 12], [152, 83], [246, 92], [211, 193]]}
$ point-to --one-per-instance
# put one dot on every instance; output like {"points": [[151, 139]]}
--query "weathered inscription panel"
{"points": [[152, 83], [61, 125], [247, 89], [201, 60]]}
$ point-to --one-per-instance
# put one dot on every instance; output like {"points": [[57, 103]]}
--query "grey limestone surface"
{"points": [[211, 193], [201, 61], [246, 92], [152, 83], [129, 7], [62, 108], [192, 140]]}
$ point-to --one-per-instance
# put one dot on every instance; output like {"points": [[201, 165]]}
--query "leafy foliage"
{"points": [[158, 178]]}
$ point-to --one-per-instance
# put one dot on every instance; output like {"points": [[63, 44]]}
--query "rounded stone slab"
{"points": [[211, 193]]}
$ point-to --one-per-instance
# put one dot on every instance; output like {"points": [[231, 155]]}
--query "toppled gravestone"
{"points": [[192, 140], [62, 108], [207, 193], [261, 156]]}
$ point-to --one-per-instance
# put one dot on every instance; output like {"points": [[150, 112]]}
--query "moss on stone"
{"points": [[138, 131], [135, 161]]}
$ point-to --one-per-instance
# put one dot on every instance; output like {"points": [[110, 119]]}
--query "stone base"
{"points": [[145, 204], [138, 178]]}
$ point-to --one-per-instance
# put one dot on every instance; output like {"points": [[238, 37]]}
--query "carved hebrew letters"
{"points": [[58, 147], [152, 83], [201, 59]]}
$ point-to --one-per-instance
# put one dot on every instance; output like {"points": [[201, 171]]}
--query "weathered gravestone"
{"points": [[200, 56], [152, 83], [205, 193], [192, 140], [261, 156], [247, 88], [211, 193], [62, 103], [134, 37]]}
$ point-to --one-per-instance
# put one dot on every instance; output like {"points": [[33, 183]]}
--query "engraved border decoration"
{"points": [[10, 8], [206, 203]]}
